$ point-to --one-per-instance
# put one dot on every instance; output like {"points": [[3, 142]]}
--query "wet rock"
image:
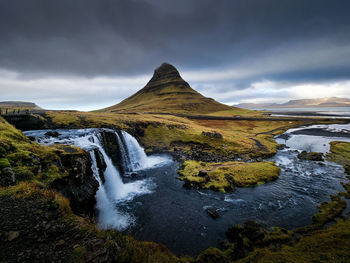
{"points": [[311, 156], [187, 185], [31, 138], [7, 177], [212, 134], [225, 244], [253, 231], [110, 144], [213, 213], [347, 169], [281, 146], [234, 233], [80, 185], [101, 164], [52, 133]]}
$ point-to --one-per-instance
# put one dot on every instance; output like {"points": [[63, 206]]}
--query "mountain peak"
{"points": [[167, 92], [165, 71]]}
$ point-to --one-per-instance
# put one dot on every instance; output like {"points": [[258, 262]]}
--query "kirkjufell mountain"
{"points": [[167, 92]]}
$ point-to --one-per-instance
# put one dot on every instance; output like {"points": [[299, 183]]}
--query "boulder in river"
{"points": [[213, 213], [311, 156], [52, 133]]}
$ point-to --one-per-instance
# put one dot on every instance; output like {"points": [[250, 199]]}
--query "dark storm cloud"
{"points": [[231, 50], [90, 38]]}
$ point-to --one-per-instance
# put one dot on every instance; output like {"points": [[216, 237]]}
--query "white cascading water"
{"points": [[113, 191], [136, 156]]}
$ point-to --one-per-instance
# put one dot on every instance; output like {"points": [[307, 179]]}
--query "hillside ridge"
{"points": [[168, 92], [301, 103]]}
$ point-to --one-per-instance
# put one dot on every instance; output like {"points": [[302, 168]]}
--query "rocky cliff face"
{"points": [[111, 146], [80, 185]]}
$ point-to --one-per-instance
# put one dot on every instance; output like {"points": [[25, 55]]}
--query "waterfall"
{"points": [[108, 215], [134, 155], [113, 191]]}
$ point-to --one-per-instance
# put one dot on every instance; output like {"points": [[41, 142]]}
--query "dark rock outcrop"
{"points": [[245, 238], [165, 71], [7, 177], [311, 156], [111, 145], [80, 185], [101, 164], [52, 133], [27, 122], [202, 173], [212, 134]]}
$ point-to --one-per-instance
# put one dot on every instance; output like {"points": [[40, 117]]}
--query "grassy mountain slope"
{"points": [[19, 105], [167, 92]]}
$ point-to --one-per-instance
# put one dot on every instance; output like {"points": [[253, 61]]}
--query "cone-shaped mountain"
{"points": [[167, 92]]}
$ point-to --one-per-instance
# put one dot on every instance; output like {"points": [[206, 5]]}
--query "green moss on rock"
{"points": [[4, 162], [225, 176]]}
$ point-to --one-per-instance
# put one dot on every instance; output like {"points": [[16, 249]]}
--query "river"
{"points": [[154, 206]]}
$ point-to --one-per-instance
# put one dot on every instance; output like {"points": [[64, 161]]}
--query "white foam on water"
{"points": [[113, 192], [137, 156]]}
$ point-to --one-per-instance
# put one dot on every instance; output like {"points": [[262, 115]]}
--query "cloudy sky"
{"points": [[89, 54]]}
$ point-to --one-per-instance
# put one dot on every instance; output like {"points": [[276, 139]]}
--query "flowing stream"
{"points": [[154, 206]]}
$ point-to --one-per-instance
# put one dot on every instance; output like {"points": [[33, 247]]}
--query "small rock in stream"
{"points": [[213, 213]]}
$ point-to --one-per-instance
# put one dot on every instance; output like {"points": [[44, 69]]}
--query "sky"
{"points": [[90, 54]]}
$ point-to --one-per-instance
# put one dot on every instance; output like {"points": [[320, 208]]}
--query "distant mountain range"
{"points": [[304, 103], [19, 104]]}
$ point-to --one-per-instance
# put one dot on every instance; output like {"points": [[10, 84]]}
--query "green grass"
{"points": [[227, 175], [328, 245], [29, 160], [340, 153], [4, 162]]}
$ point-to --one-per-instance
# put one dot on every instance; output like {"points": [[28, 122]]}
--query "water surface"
{"points": [[159, 209]]}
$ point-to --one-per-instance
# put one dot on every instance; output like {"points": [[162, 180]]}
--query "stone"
{"points": [[213, 213], [60, 242], [101, 164], [52, 133], [202, 173], [281, 146], [234, 233], [80, 185], [225, 244], [12, 235], [212, 134], [311, 156], [7, 177]]}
